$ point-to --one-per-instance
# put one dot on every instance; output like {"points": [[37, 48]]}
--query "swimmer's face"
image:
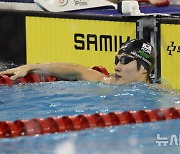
{"points": [[126, 70]]}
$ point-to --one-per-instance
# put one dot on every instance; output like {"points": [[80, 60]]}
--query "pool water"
{"points": [[27, 101]]}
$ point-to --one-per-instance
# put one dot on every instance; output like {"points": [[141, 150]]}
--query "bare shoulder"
{"points": [[165, 87]]}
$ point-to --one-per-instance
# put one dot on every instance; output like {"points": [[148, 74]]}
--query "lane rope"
{"points": [[37, 126]]}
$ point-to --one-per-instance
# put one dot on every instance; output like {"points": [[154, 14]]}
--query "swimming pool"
{"points": [[27, 101]]}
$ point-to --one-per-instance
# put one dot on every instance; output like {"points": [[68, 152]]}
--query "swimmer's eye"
{"points": [[124, 60]]}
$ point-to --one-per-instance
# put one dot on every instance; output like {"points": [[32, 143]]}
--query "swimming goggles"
{"points": [[124, 60]]}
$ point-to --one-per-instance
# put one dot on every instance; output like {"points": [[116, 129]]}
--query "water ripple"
{"points": [[72, 98]]}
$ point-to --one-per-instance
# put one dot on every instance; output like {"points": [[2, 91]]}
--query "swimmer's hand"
{"points": [[17, 72]]}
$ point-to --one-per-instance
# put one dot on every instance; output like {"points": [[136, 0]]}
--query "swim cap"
{"points": [[141, 50]]}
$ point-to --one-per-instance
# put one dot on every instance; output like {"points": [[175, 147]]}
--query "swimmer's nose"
{"points": [[118, 67]]}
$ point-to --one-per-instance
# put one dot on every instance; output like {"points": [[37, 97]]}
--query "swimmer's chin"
{"points": [[114, 79]]}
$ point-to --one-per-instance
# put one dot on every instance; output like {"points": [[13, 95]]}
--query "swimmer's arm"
{"points": [[66, 71]]}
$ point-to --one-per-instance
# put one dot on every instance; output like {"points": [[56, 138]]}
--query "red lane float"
{"points": [[36, 126], [158, 4], [32, 77], [29, 78], [101, 69]]}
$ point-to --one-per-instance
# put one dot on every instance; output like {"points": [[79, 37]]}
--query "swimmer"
{"points": [[133, 63]]}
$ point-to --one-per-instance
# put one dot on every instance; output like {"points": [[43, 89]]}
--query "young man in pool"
{"points": [[133, 63]]}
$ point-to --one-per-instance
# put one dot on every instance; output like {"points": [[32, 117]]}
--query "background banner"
{"points": [[86, 42], [170, 54]]}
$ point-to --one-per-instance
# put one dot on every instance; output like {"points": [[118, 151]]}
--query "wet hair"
{"points": [[143, 51]]}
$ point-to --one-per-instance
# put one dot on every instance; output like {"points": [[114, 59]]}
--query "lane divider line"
{"points": [[35, 126]]}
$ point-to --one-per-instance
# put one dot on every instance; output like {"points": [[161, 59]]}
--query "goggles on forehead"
{"points": [[124, 60]]}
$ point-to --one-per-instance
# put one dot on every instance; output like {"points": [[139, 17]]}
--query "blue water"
{"points": [[74, 98]]}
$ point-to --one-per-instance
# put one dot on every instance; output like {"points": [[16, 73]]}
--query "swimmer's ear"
{"points": [[143, 70]]}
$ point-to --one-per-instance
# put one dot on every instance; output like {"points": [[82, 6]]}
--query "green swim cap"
{"points": [[141, 50]]}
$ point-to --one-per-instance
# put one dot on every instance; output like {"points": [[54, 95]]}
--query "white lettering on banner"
{"points": [[81, 2], [164, 141]]}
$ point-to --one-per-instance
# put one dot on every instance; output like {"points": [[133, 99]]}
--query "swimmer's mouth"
{"points": [[117, 76]]}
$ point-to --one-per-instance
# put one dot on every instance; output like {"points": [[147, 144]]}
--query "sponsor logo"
{"points": [[99, 42], [141, 57], [146, 48], [63, 2], [173, 48], [144, 54], [81, 2]]}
